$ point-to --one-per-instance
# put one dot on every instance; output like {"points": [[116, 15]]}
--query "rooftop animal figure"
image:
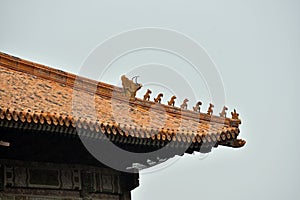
{"points": [[196, 108], [223, 112], [237, 143], [172, 101], [210, 109], [130, 88], [234, 114], [184, 104], [158, 98], [147, 95]]}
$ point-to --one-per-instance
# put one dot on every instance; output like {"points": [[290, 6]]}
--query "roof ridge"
{"points": [[46, 72]]}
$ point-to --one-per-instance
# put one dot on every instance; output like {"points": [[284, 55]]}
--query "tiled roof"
{"points": [[34, 93]]}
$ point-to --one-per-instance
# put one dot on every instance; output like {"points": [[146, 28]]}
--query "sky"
{"points": [[255, 48]]}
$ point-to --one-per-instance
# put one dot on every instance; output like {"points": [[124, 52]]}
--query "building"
{"points": [[61, 135]]}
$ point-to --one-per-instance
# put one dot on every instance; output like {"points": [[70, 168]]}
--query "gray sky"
{"points": [[255, 45]]}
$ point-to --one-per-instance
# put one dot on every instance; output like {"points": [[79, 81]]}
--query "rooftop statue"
{"points": [[130, 87]]}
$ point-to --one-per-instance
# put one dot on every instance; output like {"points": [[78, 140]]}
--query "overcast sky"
{"points": [[256, 48]]}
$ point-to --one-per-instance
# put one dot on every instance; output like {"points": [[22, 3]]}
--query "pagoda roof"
{"points": [[41, 96]]}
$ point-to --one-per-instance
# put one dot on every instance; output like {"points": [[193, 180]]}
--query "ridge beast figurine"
{"points": [[196, 108], [130, 88], [158, 98], [210, 109], [172, 101], [184, 104], [223, 112], [147, 95]]}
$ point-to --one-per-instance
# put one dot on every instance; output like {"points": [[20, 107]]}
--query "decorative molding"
{"points": [[107, 184], [67, 179], [76, 180], [20, 174], [44, 178], [8, 176], [63, 177], [20, 195]]}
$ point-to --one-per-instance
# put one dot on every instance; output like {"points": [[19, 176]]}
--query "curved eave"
{"points": [[67, 125]]}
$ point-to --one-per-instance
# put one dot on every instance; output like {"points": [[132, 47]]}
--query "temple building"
{"points": [[68, 137]]}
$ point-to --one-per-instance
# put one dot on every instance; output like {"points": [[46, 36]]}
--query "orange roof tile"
{"points": [[31, 92]]}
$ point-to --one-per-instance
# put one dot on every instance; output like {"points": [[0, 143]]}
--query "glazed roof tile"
{"points": [[30, 92]]}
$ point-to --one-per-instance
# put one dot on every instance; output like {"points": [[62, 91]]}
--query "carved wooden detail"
{"points": [[76, 179], [67, 179], [8, 176], [20, 175], [107, 184], [44, 178], [116, 184], [88, 184], [38, 177]]}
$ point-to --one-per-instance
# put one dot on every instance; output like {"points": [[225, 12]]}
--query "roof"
{"points": [[40, 95]]}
